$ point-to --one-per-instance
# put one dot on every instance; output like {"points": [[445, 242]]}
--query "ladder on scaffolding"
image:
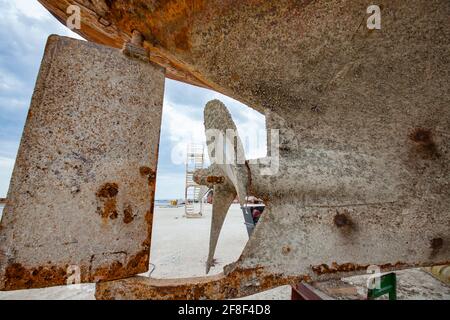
{"points": [[193, 192]]}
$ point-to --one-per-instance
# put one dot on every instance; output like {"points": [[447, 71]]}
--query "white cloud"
{"points": [[182, 130], [31, 9], [251, 126], [11, 104], [182, 127], [170, 186], [8, 148], [28, 23], [9, 82], [6, 168]]}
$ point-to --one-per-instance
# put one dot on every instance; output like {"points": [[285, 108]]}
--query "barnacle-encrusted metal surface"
{"points": [[363, 118]]}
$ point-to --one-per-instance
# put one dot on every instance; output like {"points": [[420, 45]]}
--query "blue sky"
{"points": [[24, 28]]}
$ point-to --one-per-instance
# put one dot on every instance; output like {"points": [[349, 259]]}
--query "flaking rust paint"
{"points": [[141, 259], [164, 23], [78, 195], [167, 29], [99, 25], [18, 276], [94, 25], [238, 283], [211, 33]]}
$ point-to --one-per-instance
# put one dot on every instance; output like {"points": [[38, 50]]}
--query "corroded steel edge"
{"points": [[237, 283]]}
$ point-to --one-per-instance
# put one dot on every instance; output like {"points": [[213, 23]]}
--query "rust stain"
{"points": [[114, 271], [286, 250], [351, 267], [164, 23], [151, 176], [114, 214], [167, 27], [137, 263], [149, 221], [334, 268], [181, 39], [424, 143], [19, 277], [108, 190], [342, 220], [128, 214], [215, 180], [145, 171], [422, 136], [107, 196], [238, 283], [437, 243]]}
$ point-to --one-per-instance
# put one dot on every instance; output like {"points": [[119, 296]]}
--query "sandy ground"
{"points": [[180, 247]]}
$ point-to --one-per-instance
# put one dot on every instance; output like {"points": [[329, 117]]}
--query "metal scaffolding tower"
{"points": [[193, 191]]}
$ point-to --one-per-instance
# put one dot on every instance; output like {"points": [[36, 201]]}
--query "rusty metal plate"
{"points": [[363, 118], [81, 195], [332, 213]]}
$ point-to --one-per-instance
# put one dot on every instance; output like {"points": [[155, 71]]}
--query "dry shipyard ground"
{"points": [[180, 247]]}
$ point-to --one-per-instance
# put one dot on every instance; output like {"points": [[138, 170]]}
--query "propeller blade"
{"points": [[223, 198], [226, 151]]}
